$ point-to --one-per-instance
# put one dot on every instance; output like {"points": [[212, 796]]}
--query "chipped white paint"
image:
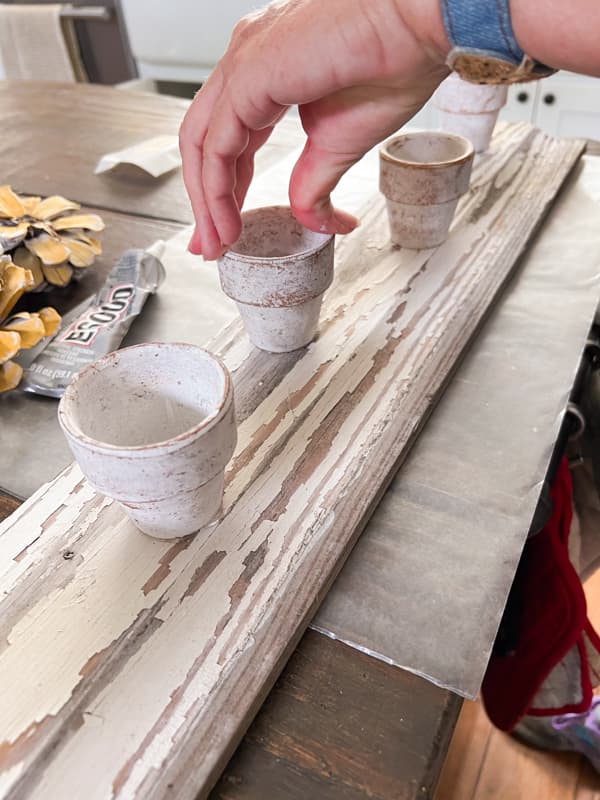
{"points": [[9, 778], [139, 662]]}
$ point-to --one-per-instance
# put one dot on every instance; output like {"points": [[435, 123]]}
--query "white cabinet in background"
{"points": [[180, 40], [569, 105], [562, 105], [521, 103]]}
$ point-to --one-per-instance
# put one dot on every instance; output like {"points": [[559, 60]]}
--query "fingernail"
{"points": [[344, 222], [195, 244], [214, 254]]}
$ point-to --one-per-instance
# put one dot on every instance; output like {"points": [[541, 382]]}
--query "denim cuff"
{"points": [[481, 27]]}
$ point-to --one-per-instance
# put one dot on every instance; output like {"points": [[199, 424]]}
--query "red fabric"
{"points": [[553, 617]]}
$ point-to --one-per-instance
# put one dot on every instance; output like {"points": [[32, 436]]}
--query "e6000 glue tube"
{"points": [[95, 327]]}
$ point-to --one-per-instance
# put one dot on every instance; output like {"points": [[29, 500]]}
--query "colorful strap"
{"points": [[481, 27]]}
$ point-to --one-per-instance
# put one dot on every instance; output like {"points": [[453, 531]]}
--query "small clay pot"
{"points": [[277, 273], [422, 175], [469, 109], [152, 426]]}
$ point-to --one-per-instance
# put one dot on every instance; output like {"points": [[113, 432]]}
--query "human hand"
{"points": [[358, 70]]}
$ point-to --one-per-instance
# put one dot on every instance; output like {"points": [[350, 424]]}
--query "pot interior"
{"points": [[145, 395], [428, 148], [273, 232]]}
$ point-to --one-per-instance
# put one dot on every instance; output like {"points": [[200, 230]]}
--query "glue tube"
{"points": [[95, 327]]}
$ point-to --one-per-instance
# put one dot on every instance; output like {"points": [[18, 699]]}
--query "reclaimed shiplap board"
{"points": [[130, 667]]}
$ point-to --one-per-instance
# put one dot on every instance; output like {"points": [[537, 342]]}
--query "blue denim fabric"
{"points": [[481, 27]]}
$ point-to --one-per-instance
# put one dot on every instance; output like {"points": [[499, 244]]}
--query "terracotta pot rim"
{"points": [[391, 159], [274, 261], [167, 445]]}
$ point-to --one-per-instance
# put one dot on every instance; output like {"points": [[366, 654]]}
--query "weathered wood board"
{"points": [[130, 667]]}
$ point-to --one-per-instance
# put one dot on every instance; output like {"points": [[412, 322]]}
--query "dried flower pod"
{"points": [[58, 275], [51, 319], [10, 204], [53, 207], [47, 236], [23, 257], [10, 344], [89, 222], [50, 251], [81, 254], [14, 281], [10, 376], [24, 329], [29, 327]]}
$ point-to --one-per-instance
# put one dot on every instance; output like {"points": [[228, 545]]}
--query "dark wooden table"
{"points": [[338, 723]]}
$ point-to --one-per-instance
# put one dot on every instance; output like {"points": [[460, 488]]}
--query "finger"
{"points": [[316, 174], [226, 140], [205, 240], [245, 164], [191, 137], [195, 243], [229, 138]]}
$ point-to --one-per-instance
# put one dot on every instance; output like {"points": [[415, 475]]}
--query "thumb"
{"points": [[316, 174]]}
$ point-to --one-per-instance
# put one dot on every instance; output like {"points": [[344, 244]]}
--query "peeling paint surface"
{"points": [[137, 661]]}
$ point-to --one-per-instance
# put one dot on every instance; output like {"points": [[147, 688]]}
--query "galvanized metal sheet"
{"points": [[426, 584]]}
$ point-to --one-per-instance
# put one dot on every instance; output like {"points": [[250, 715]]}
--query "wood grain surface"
{"points": [[8, 504], [54, 134], [338, 723], [398, 725], [593, 147], [166, 651]]}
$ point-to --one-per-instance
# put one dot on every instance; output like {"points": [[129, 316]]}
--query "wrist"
{"points": [[484, 48]]}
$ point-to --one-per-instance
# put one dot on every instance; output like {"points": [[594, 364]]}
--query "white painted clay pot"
{"points": [[469, 109], [277, 273], [422, 175], [152, 426]]}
